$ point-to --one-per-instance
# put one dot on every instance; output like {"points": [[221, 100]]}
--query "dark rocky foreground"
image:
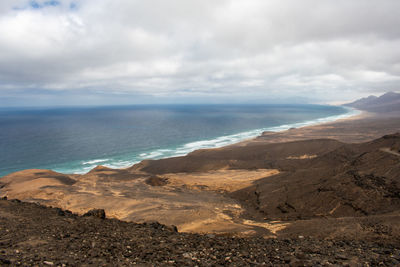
{"points": [[31, 234]]}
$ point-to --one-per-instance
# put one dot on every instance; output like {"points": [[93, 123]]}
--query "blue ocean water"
{"points": [[75, 140]]}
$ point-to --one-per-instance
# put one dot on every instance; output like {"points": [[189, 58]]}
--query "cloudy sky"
{"points": [[90, 52]]}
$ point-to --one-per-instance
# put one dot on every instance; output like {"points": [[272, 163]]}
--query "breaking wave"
{"points": [[181, 150]]}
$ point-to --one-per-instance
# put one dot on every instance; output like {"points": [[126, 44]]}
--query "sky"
{"points": [[110, 52]]}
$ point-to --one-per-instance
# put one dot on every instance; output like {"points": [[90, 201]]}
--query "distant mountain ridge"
{"points": [[388, 102]]}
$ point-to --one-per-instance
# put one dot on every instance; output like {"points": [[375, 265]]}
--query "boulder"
{"points": [[99, 213]]}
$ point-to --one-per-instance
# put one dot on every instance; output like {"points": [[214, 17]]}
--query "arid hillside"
{"points": [[387, 103], [35, 235], [352, 180]]}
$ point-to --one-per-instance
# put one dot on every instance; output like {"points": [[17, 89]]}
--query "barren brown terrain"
{"points": [[337, 181], [35, 235], [239, 188]]}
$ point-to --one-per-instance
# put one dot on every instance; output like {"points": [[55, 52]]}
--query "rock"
{"points": [[341, 257], [60, 212], [4, 261], [154, 224], [156, 181], [301, 256], [187, 255], [171, 228], [99, 213], [395, 262], [35, 235]]}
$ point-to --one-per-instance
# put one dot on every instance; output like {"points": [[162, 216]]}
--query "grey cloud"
{"points": [[334, 50]]}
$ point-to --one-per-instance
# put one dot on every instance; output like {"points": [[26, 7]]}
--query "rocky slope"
{"points": [[35, 235], [352, 180]]}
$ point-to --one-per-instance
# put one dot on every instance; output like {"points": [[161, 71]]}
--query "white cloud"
{"points": [[172, 48]]}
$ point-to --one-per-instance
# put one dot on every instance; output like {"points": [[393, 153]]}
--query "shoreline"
{"points": [[208, 190], [217, 142], [256, 136], [362, 114], [127, 159], [282, 128]]}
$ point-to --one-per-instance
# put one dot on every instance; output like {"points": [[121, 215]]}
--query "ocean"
{"points": [[75, 140]]}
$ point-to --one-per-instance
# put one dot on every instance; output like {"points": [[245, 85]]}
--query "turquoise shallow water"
{"points": [[75, 140]]}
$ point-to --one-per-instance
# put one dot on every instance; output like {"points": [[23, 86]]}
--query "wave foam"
{"points": [[90, 162], [235, 138], [201, 144]]}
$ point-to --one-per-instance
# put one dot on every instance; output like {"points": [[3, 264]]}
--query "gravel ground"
{"points": [[35, 235]]}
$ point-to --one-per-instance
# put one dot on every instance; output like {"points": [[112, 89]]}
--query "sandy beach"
{"points": [[354, 129]]}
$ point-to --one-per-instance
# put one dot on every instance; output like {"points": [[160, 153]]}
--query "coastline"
{"points": [[236, 139], [206, 190], [361, 114], [353, 114], [363, 127], [274, 134], [237, 124]]}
